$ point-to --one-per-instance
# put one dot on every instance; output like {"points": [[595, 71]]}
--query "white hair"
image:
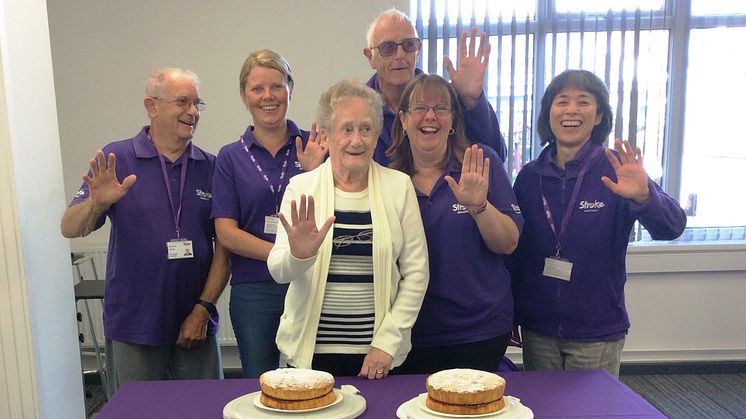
{"points": [[391, 13]]}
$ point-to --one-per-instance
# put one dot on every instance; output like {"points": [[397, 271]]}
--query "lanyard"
{"points": [[568, 211], [176, 211], [275, 193]]}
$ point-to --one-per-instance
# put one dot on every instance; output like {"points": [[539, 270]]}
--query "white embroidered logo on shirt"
{"points": [[205, 196], [591, 206], [79, 193], [516, 208], [459, 209], [297, 165]]}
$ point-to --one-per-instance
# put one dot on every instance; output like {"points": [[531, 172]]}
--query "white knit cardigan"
{"points": [[400, 264]]}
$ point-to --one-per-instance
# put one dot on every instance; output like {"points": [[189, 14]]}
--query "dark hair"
{"points": [[584, 80], [400, 151]]}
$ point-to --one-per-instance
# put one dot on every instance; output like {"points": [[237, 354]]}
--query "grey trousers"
{"points": [[133, 362], [547, 353]]}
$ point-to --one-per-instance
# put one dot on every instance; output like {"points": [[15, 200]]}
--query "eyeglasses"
{"points": [[184, 102], [440, 110], [388, 48]]}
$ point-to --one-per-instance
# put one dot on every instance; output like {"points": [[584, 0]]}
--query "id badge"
{"points": [[557, 268], [270, 224], [180, 249]]}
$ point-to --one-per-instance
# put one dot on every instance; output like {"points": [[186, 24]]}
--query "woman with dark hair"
{"points": [[579, 208], [471, 220]]}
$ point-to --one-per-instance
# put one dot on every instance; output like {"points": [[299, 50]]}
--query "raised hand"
{"points": [[303, 236], [632, 180], [102, 183], [471, 189], [468, 78], [314, 153]]}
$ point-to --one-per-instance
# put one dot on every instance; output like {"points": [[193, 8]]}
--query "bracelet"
{"points": [[478, 210], [210, 307]]}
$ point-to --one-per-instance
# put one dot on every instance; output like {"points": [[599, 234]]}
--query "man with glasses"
{"points": [[162, 275], [392, 51]]}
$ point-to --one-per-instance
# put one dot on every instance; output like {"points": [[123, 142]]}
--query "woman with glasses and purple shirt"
{"points": [[250, 178], [471, 220]]}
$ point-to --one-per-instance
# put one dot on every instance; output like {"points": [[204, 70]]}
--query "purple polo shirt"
{"points": [[590, 306], [481, 125], [148, 296], [241, 193], [468, 298]]}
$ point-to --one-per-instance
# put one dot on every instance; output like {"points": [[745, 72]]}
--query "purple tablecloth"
{"points": [[587, 394]]}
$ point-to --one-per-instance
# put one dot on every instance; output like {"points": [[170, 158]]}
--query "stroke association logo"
{"points": [[460, 209], [594, 206], [205, 196]]}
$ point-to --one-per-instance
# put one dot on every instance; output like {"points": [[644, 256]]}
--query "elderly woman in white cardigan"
{"points": [[352, 246]]}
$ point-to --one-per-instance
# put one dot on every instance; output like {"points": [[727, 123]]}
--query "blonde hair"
{"points": [[268, 59]]}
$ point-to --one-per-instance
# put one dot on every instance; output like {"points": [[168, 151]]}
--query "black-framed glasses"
{"points": [[440, 110], [184, 102], [388, 48]]}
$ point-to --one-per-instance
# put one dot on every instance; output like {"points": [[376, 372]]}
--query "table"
{"points": [[588, 394]]}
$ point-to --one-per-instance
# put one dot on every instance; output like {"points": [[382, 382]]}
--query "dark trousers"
{"points": [[485, 355]]}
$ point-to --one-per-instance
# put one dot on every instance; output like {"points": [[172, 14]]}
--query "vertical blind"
{"points": [[639, 48]]}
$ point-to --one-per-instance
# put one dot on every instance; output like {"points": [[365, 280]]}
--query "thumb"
{"points": [[448, 65], [451, 182], [609, 183], [128, 182]]}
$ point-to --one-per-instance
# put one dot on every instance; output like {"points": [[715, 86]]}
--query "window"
{"points": [[675, 93]]}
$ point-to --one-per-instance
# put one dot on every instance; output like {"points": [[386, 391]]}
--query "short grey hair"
{"points": [[156, 81], [339, 92], [391, 13]]}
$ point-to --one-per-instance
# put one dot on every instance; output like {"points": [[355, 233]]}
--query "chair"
{"points": [[86, 290]]}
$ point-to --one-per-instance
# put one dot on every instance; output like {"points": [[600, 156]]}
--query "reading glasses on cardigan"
{"points": [[388, 48], [183, 102]]}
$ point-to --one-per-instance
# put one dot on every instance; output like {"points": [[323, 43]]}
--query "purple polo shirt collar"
{"points": [[145, 149], [549, 168], [293, 131]]}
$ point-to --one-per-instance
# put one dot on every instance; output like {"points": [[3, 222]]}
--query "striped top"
{"points": [[348, 312]]}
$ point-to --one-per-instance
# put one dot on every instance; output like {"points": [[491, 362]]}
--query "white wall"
{"points": [[39, 356], [104, 50], [683, 302]]}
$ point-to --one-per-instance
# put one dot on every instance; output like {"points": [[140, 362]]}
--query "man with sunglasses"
{"points": [[392, 51], [162, 275]]}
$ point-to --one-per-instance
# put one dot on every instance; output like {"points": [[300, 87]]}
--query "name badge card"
{"points": [[270, 224], [180, 249], [557, 268]]}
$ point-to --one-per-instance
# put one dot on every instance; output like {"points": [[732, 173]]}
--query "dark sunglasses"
{"points": [[388, 48]]}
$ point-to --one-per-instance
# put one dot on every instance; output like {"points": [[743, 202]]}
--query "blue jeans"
{"points": [[255, 310]]}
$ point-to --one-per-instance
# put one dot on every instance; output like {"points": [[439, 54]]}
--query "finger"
{"points": [[298, 146], [614, 160], [480, 162], [461, 46], [465, 166], [448, 65], [486, 58], [311, 208], [482, 41], [474, 158], [312, 135], [128, 182], [327, 225], [638, 154], [284, 221], [452, 183], [294, 216], [303, 211], [486, 170], [473, 42], [111, 164]]}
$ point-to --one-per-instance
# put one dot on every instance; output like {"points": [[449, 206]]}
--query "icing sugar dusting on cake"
{"points": [[465, 380], [297, 378]]}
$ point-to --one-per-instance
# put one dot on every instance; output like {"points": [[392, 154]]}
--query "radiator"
{"points": [[97, 264]]}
